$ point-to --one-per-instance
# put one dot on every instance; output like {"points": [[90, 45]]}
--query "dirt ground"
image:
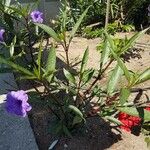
{"points": [[99, 135]]}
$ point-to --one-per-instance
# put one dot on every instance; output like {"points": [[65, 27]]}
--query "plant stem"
{"points": [[107, 14], [78, 90], [67, 57], [54, 98], [29, 42], [98, 77]]}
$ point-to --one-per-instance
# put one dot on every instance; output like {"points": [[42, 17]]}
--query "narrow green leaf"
{"points": [[114, 79], [49, 31], [39, 59], [124, 95], [105, 53], [147, 140], [120, 62], [12, 46], [84, 60], [15, 66], [133, 112], [75, 110], [66, 131], [50, 64], [132, 40], [69, 76], [76, 120], [114, 120], [26, 78], [17, 10], [7, 3], [77, 25], [144, 76], [87, 76]]}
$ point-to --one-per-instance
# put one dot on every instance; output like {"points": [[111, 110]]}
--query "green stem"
{"points": [[29, 42], [98, 77], [54, 98]]}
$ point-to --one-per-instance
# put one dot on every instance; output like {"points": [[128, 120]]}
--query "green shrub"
{"points": [[70, 99]]}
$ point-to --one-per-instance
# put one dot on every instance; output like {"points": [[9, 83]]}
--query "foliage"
{"points": [[112, 28], [20, 33], [123, 16], [70, 99], [65, 12], [136, 12]]}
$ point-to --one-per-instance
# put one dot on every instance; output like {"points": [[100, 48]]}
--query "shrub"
{"points": [[70, 99]]}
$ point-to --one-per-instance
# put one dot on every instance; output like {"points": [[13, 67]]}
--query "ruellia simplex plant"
{"points": [[71, 99]]}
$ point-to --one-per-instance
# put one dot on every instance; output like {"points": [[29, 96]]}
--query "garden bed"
{"points": [[99, 135]]}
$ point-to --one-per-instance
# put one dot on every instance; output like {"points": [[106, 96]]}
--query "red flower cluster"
{"points": [[129, 121], [148, 108]]}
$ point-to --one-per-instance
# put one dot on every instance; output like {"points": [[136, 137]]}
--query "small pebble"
{"points": [[65, 146]]}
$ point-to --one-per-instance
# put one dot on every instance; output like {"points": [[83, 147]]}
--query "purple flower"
{"points": [[16, 103], [2, 31], [37, 16]]}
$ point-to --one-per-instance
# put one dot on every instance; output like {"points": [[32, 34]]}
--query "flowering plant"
{"points": [[71, 98]]}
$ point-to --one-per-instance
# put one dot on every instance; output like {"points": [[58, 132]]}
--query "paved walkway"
{"points": [[15, 132]]}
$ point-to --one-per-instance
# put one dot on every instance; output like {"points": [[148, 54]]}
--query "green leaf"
{"points": [[39, 59], [15, 66], [147, 140], [87, 76], [7, 3], [66, 131], [26, 78], [75, 110], [144, 76], [132, 40], [9, 21], [12, 46], [119, 61], [76, 120], [49, 31], [105, 53], [50, 64], [84, 60], [114, 79], [69, 76], [17, 10], [124, 95], [114, 120], [77, 25], [134, 112]]}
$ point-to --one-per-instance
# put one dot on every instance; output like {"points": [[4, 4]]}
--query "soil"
{"points": [[99, 135]]}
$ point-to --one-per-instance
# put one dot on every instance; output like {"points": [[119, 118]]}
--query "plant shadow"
{"points": [[97, 134]]}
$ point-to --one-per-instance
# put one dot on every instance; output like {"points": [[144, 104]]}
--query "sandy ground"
{"points": [[103, 138]]}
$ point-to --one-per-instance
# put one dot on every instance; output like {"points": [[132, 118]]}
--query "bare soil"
{"points": [[99, 135]]}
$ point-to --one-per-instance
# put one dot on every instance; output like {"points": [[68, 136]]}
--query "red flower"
{"points": [[129, 121], [147, 108]]}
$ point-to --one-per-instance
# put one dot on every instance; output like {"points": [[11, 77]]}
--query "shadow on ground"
{"points": [[97, 135]]}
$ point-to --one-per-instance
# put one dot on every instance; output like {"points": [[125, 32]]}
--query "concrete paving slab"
{"points": [[7, 82], [15, 132]]}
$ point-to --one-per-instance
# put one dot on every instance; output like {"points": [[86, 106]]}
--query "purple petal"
{"points": [[37, 16], [16, 103], [2, 31]]}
